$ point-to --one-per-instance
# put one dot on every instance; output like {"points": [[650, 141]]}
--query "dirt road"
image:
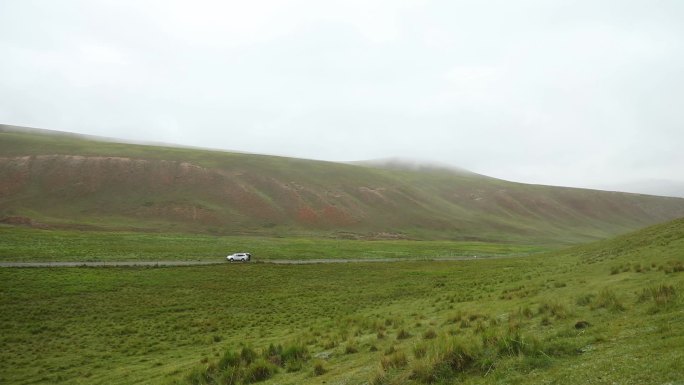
{"points": [[221, 262]]}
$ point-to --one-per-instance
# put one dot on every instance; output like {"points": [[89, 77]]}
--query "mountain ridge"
{"points": [[74, 181]]}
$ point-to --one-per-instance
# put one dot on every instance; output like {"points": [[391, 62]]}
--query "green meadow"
{"points": [[27, 244], [604, 313]]}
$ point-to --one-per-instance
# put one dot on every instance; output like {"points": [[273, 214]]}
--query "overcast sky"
{"points": [[574, 93]]}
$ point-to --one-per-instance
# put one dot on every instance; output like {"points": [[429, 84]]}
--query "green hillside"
{"points": [[58, 180], [605, 313]]}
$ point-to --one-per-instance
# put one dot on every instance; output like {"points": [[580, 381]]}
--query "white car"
{"points": [[244, 257]]}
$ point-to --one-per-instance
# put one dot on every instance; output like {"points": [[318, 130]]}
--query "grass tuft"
{"points": [[607, 299], [319, 368], [403, 334]]}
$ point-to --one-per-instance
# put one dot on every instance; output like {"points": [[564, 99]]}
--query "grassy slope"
{"points": [[26, 244], [80, 182], [127, 326]]}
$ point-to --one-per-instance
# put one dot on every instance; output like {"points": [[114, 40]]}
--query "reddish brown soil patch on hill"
{"points": [[307, 215], [181, 212], [15, 173], [22, 221], [336, 216]]}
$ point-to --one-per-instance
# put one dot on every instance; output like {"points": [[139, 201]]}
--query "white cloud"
{"points": [[551, 92]]}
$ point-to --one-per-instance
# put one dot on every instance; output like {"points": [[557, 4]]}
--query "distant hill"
{"points": [[669, 188], [662, 242], [54, 179]]}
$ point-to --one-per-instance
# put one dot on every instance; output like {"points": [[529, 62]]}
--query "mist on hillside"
{"points": [[582, 95]]}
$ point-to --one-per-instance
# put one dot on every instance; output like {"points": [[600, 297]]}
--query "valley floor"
{"points": [[607, 313], [21, 244]]}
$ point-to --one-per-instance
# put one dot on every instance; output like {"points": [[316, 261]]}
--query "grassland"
{"points": [[27, 244], [605, 313], [62, 181]]}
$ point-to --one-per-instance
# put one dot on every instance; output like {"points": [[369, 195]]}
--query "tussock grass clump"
{"points": [[672, 267], [380, 377], [403, 334], [419, 350], [293, 366], [429, 334], [449, 357], [259, 370], [585, 299], [230, 359], [295, 352], [661, 294], [291, 357], [319, 368], [607, 299], [248, 355], [554, 308], [249, 366], [351, 347], [198, 376], [396, 360], [525, 311], [455, 318]]}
